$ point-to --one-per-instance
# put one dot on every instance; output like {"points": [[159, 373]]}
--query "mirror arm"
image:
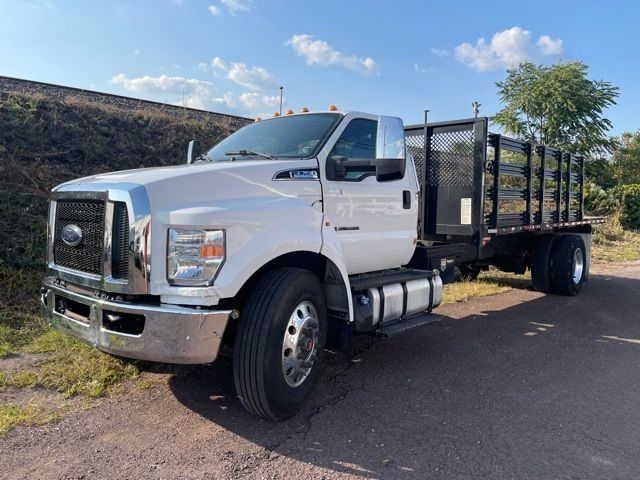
{"points": [[193, 151]]}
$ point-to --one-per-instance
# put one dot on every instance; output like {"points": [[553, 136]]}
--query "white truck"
{"points": [[290, 232]]}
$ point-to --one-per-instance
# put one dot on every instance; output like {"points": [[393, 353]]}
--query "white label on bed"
{"points": [[465, 211]]}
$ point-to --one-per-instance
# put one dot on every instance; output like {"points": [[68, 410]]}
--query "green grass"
{"points": [[52, 361], [12, 415], [491, 282], [612, 243], [72, 368], [20, 322]]}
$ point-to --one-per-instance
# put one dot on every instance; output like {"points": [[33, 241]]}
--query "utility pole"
{"points": [[281, 88], [476, 109]]}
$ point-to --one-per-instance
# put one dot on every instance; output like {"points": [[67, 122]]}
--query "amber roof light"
{"points": [[333, 108], [304, 110]]}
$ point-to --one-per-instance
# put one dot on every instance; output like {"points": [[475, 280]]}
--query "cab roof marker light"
{"points": [[304, 110], [276, 114], [258, 119], [289, 112], [332, 108]]}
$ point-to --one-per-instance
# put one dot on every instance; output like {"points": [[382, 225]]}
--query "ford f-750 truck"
{"points": [[303, 229]]}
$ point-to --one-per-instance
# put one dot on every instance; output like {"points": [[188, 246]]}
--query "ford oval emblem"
{"points": [[71, 235]]}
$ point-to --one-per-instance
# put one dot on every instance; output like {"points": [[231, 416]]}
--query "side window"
{"points": [[358, 141]]}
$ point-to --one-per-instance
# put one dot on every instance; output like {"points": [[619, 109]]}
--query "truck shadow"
{"points": [[482, 394]]}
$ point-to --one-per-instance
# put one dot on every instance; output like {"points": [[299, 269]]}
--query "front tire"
{"points": [[280, 343]]}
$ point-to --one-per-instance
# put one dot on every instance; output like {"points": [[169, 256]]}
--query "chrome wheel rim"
{"points": [[300, 344], [577, 265]]}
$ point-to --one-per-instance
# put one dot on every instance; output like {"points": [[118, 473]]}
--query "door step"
{"points": [[365, 281], [401, 326]]}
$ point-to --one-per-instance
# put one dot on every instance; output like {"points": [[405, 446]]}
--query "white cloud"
{"points": [[256, 102], [197, 93], [506, 49], [420, 69], [227, 99], [232, 6], [218, 63], [549, 46], [319, 52], [253, 78], [440, 52], [235, 6]]}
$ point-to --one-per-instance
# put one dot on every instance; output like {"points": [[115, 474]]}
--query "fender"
{"points": [[257, 232]]}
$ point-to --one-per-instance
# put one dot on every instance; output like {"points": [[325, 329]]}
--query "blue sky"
{"points": [[385, 57]]}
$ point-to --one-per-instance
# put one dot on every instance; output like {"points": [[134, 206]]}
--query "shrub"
{"points": [[598, 201], [629, 198]]}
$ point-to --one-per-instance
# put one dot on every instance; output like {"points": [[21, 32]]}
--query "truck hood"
{"points": [[209, 182]]}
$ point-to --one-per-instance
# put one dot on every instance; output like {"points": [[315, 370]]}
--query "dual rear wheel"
{"points": [[558, 264]]}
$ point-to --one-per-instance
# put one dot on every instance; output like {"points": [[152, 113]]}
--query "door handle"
{"points": [[406, 199]]}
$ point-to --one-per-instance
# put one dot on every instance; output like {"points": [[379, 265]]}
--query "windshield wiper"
{"points": [[247, 153]]}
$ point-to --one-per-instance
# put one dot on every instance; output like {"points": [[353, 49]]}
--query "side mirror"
{"points": [[335, 168], [193, 151], [391, 160]]}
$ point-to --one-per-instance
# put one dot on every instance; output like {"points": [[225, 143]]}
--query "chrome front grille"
{"points": [[113, 221], [120, 241], [88, 215]]}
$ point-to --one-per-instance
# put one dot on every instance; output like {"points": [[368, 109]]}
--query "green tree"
{"points": [[625, 158], [557, 106]]}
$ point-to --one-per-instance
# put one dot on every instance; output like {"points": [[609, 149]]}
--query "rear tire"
{"points": [[541, 263], [280, 343], [568, 265], [469, 272]]}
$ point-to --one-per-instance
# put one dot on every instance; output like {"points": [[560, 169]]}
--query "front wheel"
{"points": [[280, 343]]}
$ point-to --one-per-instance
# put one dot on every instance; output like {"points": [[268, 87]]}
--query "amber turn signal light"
{"points": [[208, 251]]}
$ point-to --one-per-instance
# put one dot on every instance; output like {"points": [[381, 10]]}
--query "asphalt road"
{"points": [[515, 386]]}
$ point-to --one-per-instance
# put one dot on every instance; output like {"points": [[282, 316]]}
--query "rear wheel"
{"points": [[469, 272], [568, 265], [541, 263], [280, 343]]}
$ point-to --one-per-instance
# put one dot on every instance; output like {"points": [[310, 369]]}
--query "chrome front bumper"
{"points": [[171, 334]]}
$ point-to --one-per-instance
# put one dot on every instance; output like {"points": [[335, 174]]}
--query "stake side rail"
{"points": [[478, 183]]}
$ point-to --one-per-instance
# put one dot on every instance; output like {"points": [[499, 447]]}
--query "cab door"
{"points": [[374, 221]]}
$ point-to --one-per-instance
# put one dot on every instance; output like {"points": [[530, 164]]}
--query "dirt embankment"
{"points": [[51, 134]]}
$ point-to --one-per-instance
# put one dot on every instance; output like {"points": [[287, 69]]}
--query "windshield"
{"points": [[299, 136]]}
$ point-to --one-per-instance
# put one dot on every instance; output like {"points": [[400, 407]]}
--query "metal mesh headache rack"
{"points": [[479, 181]]}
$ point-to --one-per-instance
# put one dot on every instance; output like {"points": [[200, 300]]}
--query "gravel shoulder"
{"points": [[517, 385]]}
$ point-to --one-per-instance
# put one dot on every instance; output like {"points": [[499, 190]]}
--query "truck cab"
{"points": [[292, 231]]}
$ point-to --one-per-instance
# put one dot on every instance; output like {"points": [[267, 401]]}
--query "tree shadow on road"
{"points": [[533, 389]]}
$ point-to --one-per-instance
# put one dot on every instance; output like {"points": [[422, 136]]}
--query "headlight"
{"points": [[194, 256]]}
